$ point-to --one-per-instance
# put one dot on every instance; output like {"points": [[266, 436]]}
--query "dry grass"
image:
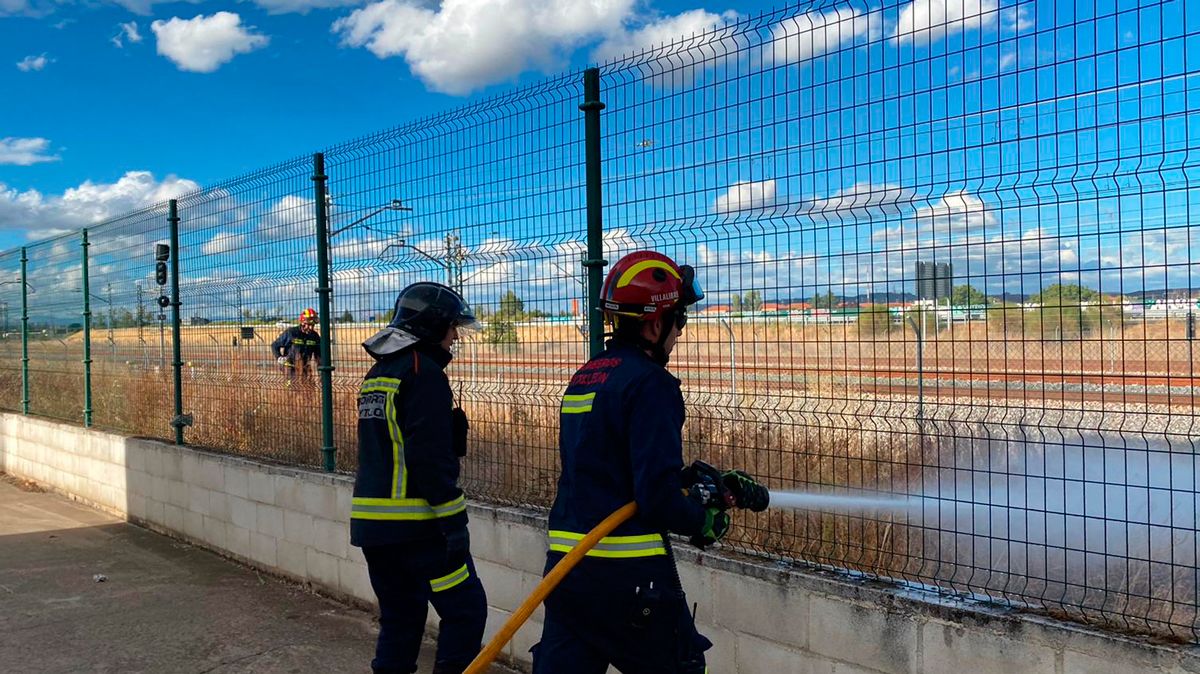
{"points": [[811, 433]]}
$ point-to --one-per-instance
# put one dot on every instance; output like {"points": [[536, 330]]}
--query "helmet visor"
{"points": [[692, 292], [466, 321]]}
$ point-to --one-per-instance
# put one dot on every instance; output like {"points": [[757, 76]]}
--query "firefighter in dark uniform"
{"points": [[408, 514], [620, 440], [298, 348]]}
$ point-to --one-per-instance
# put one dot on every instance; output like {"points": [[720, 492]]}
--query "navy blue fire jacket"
{"points": [[297, 345], [406, 488], [620, 440]]}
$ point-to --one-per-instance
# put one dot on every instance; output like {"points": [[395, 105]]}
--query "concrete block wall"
{"points": [[761, 618]]}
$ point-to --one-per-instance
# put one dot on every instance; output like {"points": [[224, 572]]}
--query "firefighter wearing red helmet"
{"points": [[298, 348], [620, 440]]}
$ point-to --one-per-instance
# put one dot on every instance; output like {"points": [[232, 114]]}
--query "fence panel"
{"points": [[951, 271], [488, 200], [927, 243]]}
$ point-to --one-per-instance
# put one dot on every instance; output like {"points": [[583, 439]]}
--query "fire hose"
{"points": [[709, 487], [480, 664]]}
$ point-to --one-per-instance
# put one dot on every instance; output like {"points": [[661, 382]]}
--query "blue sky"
{"points": [[94, 111], [830, 148]]}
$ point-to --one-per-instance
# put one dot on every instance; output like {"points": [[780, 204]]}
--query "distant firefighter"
{"points": [[298, 348]]}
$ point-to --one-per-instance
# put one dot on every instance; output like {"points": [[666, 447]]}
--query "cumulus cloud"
{"points": [[129, 32], [292, 217], [302, 6], [25, 151], [806, 36], [958, 217], [204, 43], [928, 21], [86, 204], [746, 196], [21, 8], [688, 33], [862, 201], [468, 44], [32, 63], [956, 212], [223, 242]]}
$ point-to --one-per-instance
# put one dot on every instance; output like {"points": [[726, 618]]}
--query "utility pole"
{"points": [[141, 313], [111, 341], [454, 261]]}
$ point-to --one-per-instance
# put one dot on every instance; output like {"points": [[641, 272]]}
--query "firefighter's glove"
{"points": [[458, 431], [282, 360], [716, 525], [749, 493], [458, 543]]}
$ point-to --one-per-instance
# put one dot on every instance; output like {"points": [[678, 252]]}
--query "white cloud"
{"points": [[465, 45], [746, 196], [204, 43], [862, 201], [25, 151], [682, 34], [803, 37], [19, 8], [928, 21], [86, 204], [223, 242], [129, 31], [33, 63], [302, 6], [292, 217], [958, 217], [958, 212]]}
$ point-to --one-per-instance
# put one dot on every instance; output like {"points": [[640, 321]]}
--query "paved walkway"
{"points": [[165, 606]]}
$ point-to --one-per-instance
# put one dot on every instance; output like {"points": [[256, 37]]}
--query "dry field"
{"points": [[809, 407]]}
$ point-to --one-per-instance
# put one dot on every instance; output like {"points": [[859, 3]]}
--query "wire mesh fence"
{"points": [[951, 288]]}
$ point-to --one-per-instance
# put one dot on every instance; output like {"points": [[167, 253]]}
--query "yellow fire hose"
{"points": [[480, 664]]}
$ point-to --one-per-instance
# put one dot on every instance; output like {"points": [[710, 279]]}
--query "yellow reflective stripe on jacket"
{"points": [[578, 403], [450, 580], [452, 507], [380, 385], [645, 545], [399, 470], [366, 508], [389, 386]]}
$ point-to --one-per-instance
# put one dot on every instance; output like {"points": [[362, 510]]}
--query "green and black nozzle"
{"points": [[731, 489]]}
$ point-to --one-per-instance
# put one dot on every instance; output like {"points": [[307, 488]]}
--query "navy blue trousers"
{"points": [[407, 578], [591, 625]]}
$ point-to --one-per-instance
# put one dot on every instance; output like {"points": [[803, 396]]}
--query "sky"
{"points": [[106, 102], [809, 149]]}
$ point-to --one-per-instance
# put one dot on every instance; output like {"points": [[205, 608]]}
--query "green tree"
{"points": [[825, 301], [966, 295], [346, 317], [1007, 318], [752, 300], [874, 320], [1068, 311], [511, 306], [500, 331], [1065, 295], [123, 318]]}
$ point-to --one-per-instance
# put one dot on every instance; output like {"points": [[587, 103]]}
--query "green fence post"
{"points": [[595, 263], [324, 290], [177, 360], [24, 331], [87, 337]]}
